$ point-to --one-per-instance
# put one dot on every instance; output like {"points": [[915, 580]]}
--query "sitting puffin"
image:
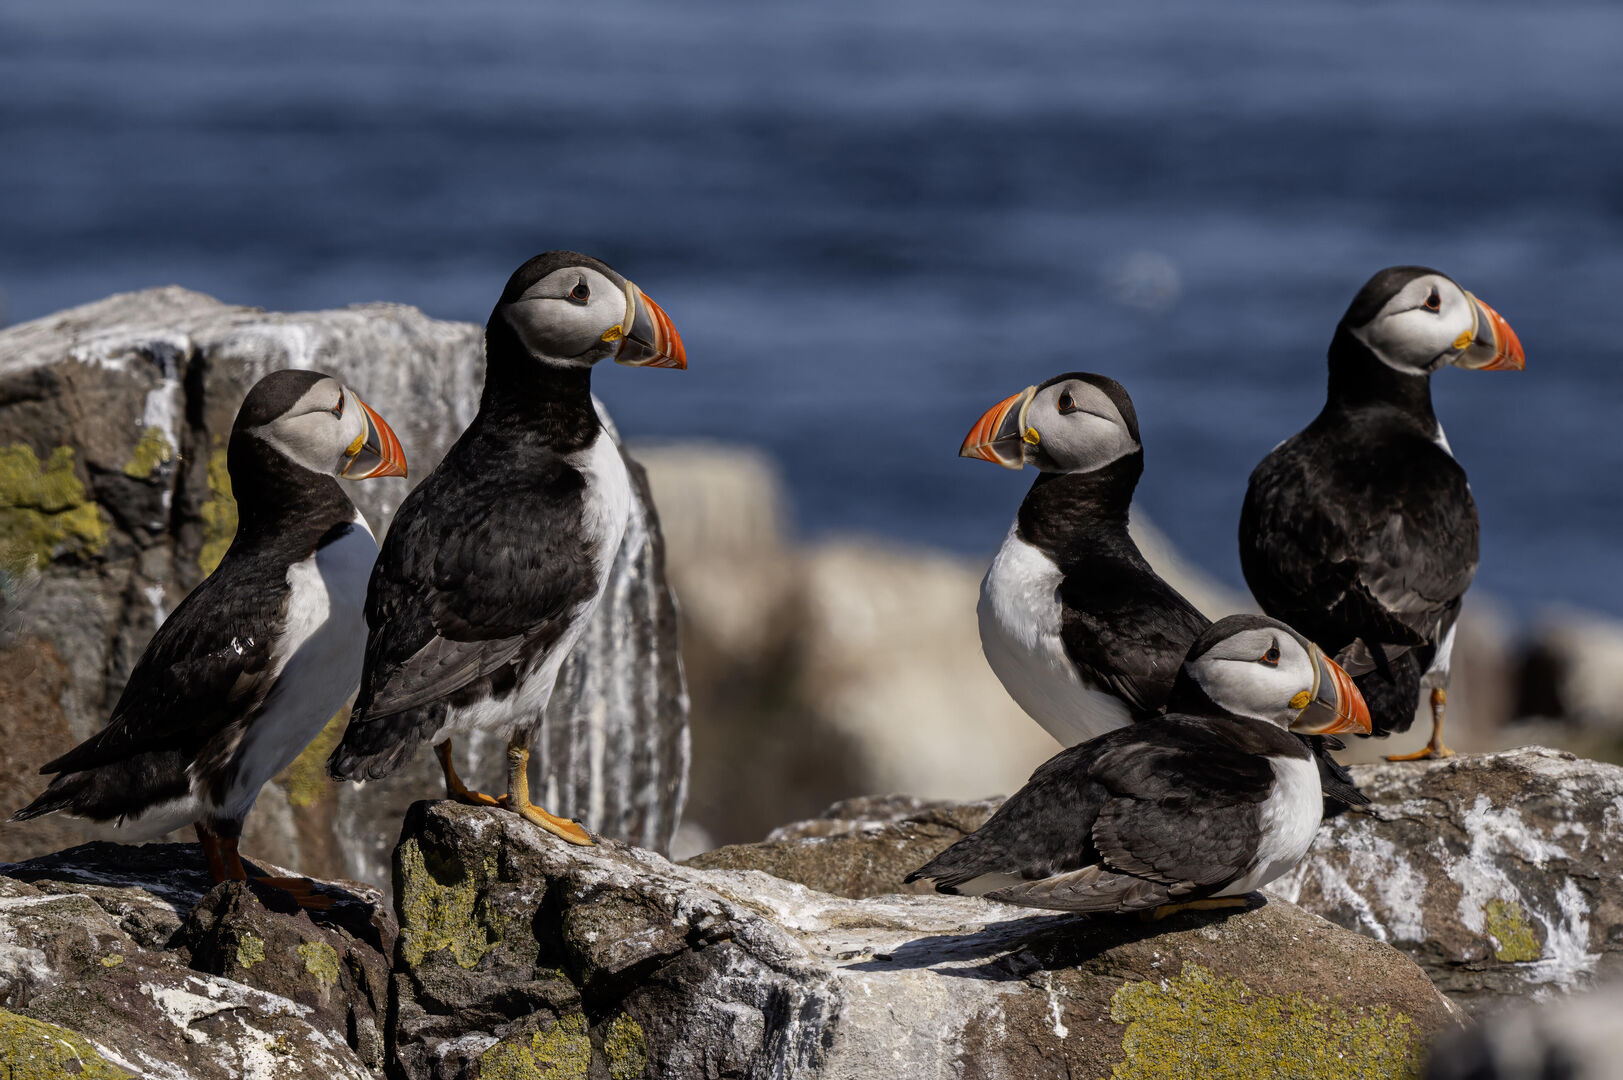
{"points": [[1083, 634], [1360, 530], [251, 665], [494, 565], [1195, 808]]}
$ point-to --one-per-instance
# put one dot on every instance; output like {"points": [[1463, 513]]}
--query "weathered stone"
{"points": [[101, 961], [257, 936], [113, 489], [1501, 874], [524, 956], [858, 847]]}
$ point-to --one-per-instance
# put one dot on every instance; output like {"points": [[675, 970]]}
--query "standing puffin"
{"points": [[251, 665], [495, 563], [1082, 633], [1360, 530], [1195, 808]]}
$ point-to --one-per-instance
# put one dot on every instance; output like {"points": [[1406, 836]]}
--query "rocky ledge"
{"points": [[511, 955]]}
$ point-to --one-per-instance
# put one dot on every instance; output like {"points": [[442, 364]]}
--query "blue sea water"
{"points": [[871, 220]]}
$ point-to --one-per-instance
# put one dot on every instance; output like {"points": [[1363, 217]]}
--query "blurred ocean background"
{"points": [[872, 221]]}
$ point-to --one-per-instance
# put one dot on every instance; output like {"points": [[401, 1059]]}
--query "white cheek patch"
{"points": [[1407, 337]]}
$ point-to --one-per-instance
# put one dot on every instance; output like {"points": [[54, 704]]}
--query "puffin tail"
{"points": [[374, 747]]}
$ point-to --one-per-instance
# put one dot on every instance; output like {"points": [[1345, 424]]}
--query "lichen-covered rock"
{"points": [[115, 501], [123, 961], [522, 956], [1501, 874], [258, 936]]}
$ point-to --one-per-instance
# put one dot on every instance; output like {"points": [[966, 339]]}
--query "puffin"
{"points": [[1360, 530], [1083, 634], [494, 564], [260, 656], [1191, 809]]}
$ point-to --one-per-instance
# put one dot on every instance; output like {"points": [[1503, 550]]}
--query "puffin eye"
{"points": [[580, 293], [338, 409], [1067, 403], [1271, 657], [1434, 301]]}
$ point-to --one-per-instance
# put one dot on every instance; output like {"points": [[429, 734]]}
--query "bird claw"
{"points": [[1430, 751], [563, 828]]}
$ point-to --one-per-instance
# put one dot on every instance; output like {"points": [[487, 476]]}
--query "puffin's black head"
{"points": [[318, 423], [1257, 667], [1073, 423], [572, 310], [1415, 320]]}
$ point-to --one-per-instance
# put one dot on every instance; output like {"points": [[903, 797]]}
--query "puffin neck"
{"points": [[548, 400], [1359, 378], [276, 497], [1189, 698], [1063, 510]]}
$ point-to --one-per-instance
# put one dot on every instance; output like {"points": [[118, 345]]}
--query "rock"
{"points": [[113, 424], [859, 847], [127, 960], [1499, 873], [521, 956], [1571, 1038]]}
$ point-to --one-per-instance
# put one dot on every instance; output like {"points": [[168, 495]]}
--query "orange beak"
{"points": [[998, 436], [650, 337], [1494, 346], [1337, 707], [379, 454]]}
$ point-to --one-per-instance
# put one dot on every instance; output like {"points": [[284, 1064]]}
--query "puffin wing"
{"points": [[1346, 545], [462, 591], [1128, 640], [1121, 822], [210, 664], [1182, 814]]}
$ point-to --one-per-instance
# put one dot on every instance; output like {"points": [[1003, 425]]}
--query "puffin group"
{"points": [[1199, 755]]}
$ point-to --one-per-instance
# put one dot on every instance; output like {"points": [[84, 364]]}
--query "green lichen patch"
{"points": [[250, 951], [150, 452], [320, 960], [1513, 939], [305, 781], [1200, 1024], [44, 511], [219, 515], [626, 1048], [441, 906], [34, 1050], [563, 1052]]}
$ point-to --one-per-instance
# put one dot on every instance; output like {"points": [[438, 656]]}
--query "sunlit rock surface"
{"points": [[1501, 874], [114, 502], [130, 953], [516, 951]]}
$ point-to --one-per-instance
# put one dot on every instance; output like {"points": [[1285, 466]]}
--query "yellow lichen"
{"points": [[320, 960], [219, 515], [34, 1050], [441, 907], [112, 961], [563, 1052], [1513, 939], [1199, 1024], [306, 779], [44, 511], [153, 450], [250, 951], [626, 1049]]}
